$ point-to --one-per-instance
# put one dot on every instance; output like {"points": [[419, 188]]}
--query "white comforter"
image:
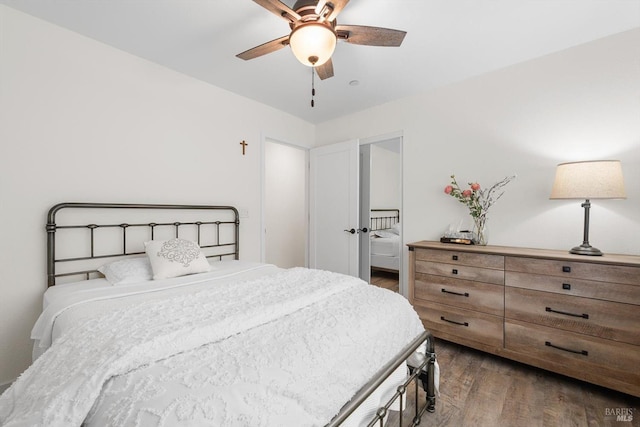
{"points": [[288, 349]]}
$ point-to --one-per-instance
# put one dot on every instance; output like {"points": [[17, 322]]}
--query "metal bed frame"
{"points": [[422, 372], [384, 221], [421, 364]]}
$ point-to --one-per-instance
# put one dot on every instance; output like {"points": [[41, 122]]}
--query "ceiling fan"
{"points": [[314, 33]]}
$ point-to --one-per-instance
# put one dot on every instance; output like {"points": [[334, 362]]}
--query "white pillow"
{"points": [[128, 270], [175, 257], [395, 228]]}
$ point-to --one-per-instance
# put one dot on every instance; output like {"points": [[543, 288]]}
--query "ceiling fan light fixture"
{"points": [[313, 43]]}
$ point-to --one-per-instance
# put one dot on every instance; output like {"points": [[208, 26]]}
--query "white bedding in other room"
{"points": [[385, 250], [386, 262], [249, 347], [385, 246]]}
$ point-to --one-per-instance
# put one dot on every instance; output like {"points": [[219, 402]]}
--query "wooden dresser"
{"points": [[571, 314]]}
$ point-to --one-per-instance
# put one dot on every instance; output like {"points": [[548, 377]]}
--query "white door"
{"points": [[333, 213]]}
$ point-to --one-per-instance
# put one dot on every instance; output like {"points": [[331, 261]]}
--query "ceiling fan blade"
{"points": [[370, 36], [264, 48], [325, 70], [278, 8]]}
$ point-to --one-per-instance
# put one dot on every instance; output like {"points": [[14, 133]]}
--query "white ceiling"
{"points": [[447, 41]]}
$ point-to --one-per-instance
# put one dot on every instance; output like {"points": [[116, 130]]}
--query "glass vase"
{"points": [[480, 236]]}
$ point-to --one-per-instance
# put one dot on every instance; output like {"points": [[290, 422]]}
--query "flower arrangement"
{"points": [[478, 201]]}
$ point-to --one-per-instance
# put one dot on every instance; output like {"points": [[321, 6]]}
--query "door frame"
{"points": [[364, 207]]}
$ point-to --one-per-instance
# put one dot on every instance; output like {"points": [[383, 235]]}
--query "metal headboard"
{"points": [[381, 222], [215, 218]]}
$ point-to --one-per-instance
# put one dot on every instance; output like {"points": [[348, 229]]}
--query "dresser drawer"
{"points": [[461, 258], [575, 270], [461, 272], [461, 293], [447, 322], [568, 286], [578, 353], [604, 319]]}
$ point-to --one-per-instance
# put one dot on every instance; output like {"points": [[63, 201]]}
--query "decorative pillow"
{"points": [[175, 257], [129, 270]]}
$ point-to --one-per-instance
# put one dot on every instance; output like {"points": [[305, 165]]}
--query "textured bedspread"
{"points": [[284, 350]]}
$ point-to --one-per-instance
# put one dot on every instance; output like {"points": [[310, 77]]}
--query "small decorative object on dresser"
{"points": [[565, 313], [478, 201]]}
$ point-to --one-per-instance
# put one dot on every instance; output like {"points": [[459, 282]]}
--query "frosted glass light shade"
{"points": [[597, 179], [313, 43]]}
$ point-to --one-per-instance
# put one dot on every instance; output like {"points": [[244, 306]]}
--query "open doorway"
{"points": [[285, 204], [381, 201]]}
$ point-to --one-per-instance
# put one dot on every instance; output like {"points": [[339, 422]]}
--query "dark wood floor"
{"points": [[385, 279], [478, 389]]}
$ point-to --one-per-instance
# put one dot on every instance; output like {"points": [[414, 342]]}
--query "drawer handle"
{"points": [[454, 322], [566, 269], [549, 309], [454, 271], [466, 294], [582, 352], [566, 286], [454, 257]]}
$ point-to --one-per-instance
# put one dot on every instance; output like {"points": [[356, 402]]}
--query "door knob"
{"points": [[364, 230], [352, 231]]}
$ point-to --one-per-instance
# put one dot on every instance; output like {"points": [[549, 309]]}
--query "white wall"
{"points": [[81, 121], [285, 205], [578, 104], [385, 177]]}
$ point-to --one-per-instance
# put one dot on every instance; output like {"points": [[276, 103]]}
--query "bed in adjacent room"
{"points": [[178, 331], [385, 239]]}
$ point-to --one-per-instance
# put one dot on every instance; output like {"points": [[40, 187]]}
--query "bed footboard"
{"points": [[421, 372]]}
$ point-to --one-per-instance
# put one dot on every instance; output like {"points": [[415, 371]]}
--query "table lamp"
{"points": [[596, 179]]}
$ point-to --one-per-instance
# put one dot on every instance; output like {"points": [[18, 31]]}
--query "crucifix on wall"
{"points": [[244, 146]]}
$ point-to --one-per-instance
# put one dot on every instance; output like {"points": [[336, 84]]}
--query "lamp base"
{"points": [[585, 249]]}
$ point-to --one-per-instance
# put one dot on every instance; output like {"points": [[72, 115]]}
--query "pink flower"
{"points": [[475, 186], [466, 193], [448, 189]]}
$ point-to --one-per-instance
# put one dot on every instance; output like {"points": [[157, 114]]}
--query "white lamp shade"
{"points": [[313, 43], [598, 179]]}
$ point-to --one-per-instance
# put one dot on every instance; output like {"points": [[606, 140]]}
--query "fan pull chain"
{"points": [[313, 89]]}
